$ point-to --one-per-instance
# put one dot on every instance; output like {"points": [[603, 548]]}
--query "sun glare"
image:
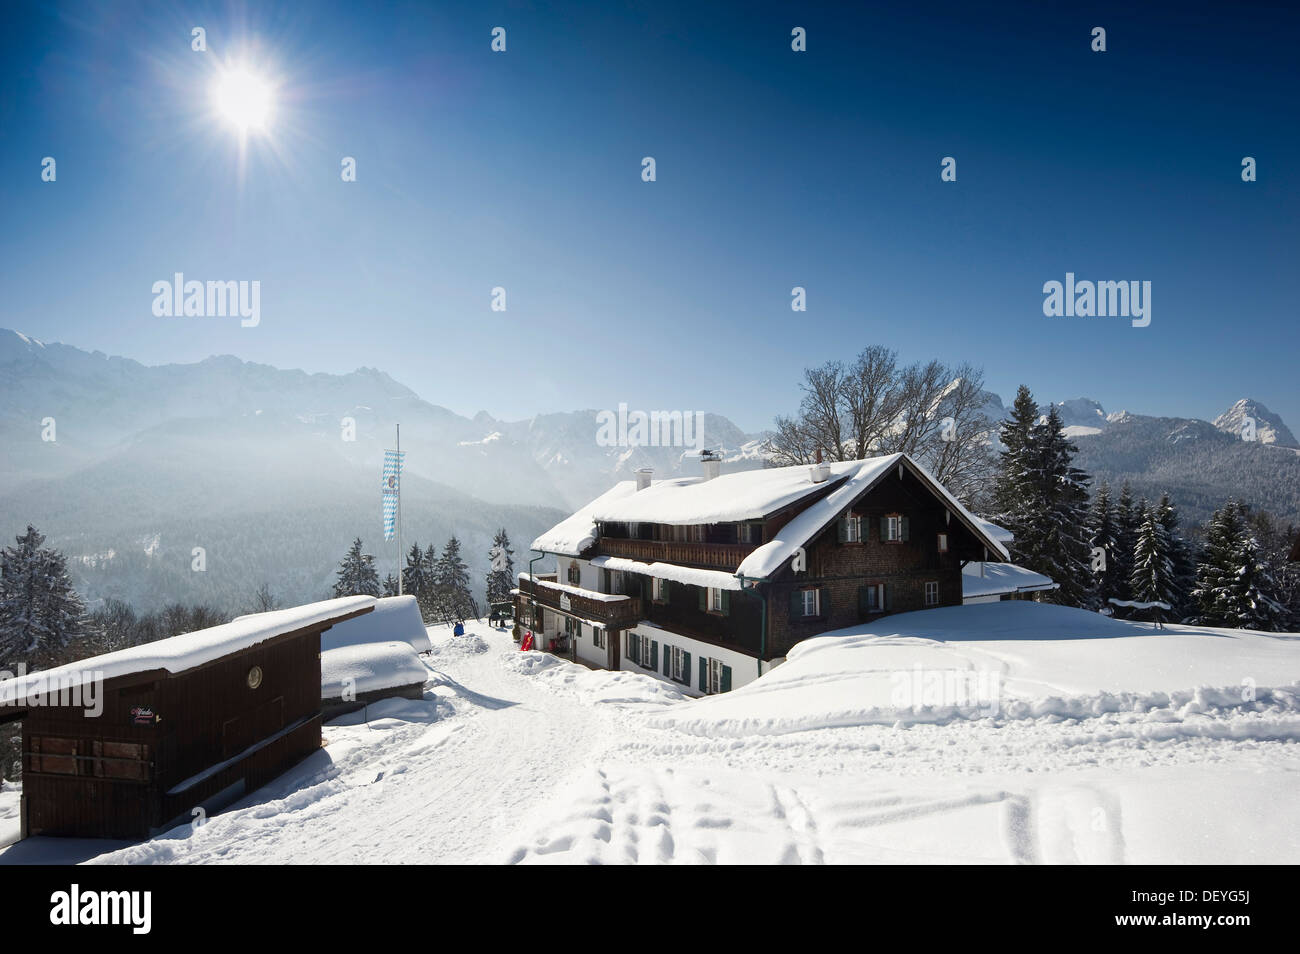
{"points": [[244, 99]]}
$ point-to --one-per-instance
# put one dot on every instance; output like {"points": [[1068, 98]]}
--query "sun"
{"points": [[244, 99]]}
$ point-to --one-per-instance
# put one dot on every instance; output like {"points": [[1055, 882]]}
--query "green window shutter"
{"points": [[884, 529], [686, 669], [704, 599], [668, 661], [704, 674], [726, 602], [905, 531], [842, 529], [823, 601], [665, 589], [633, 646], [889, 596], [654, 655], [796, 605], [726, 678]]}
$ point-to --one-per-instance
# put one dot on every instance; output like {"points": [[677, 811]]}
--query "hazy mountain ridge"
{"points": [[253, 460]]}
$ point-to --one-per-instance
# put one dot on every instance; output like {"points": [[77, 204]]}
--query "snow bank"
{"points": [[395, 618], [188, 650], [593, 686], [1019, 661], [467, 645], [367, 667]]}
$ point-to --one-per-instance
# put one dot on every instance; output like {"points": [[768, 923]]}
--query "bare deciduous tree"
{"points": [[928, 410]]}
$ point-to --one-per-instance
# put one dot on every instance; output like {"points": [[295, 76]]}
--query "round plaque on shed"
{"points": [[254, 677]]}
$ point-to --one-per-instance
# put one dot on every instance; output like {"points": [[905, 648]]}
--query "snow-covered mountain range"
{"points": [[179, 455]]}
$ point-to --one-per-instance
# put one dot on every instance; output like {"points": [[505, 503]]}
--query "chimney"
{"points": [[643, 476], [712, 464], [820, 470]]}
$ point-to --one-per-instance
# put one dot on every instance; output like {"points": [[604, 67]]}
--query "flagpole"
{"points": [[400, 574]]}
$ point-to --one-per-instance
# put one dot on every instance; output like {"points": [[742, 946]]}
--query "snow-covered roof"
{"points": [[769, 558], [747, 495], [578, 590], [394, 618], [728, 498], [577, 532], [370, 666], [718, 579], [186, 651], [991, 529], [1000, 578]]}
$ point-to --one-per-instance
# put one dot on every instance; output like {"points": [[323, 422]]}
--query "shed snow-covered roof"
{"points": [[367, 667], [394, 618], [998, 579], [186, 651]]}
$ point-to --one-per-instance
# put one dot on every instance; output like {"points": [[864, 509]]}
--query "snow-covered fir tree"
{"points": [[453, 599], [1234, 587], [357, 575], [1126, 534], [1104, 537], [1063, 550], [1180, 555], [41, 615], [1042, 498], [1153, 569], [390, 585], [1011, 487], [501, 569]]}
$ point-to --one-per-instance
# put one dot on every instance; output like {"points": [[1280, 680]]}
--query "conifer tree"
{"points": [[500, 581], [357, 575], [1126, 531], [1234, 587], [1102, 525], [1011, 488], [451, 581], [1153, 570], [1180, 555], [1059, 520], [41, 616]]}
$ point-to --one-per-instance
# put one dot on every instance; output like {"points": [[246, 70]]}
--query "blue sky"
{"points": [[775, 169]]}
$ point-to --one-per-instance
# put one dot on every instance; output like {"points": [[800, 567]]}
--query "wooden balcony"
{"points": [[713, 556], [615, 613]]}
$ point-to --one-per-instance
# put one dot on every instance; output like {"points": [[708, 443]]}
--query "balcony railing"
{"points": [[714, 556], [623, 611]]}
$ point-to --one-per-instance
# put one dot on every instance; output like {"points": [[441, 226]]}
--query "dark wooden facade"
{"points": [[761, 619], [168, 743]]}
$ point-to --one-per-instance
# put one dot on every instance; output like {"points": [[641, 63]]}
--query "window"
{"points": [[931, 594], [598, 638], [811, 602], [575, 573], [680, 665], [749, 533], [943, 543], [643, 651], [719, 677], [715, 600], [853, 529], [871, 598], [660, 590], [891, 529]]}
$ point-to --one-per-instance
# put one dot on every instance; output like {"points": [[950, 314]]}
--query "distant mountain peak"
{"points": [[1268, 427]]}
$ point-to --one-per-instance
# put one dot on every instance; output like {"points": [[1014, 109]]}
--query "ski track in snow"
{"points": [[523, 758]]}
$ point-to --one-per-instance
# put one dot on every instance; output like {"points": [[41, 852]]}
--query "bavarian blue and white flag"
{"points": [[391, 488]]}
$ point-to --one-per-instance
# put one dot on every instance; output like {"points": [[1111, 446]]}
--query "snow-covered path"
{"points": [[443, 782], [521, 757]]}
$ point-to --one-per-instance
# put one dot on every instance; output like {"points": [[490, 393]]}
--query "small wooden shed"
{"points": [[130, 743]]}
